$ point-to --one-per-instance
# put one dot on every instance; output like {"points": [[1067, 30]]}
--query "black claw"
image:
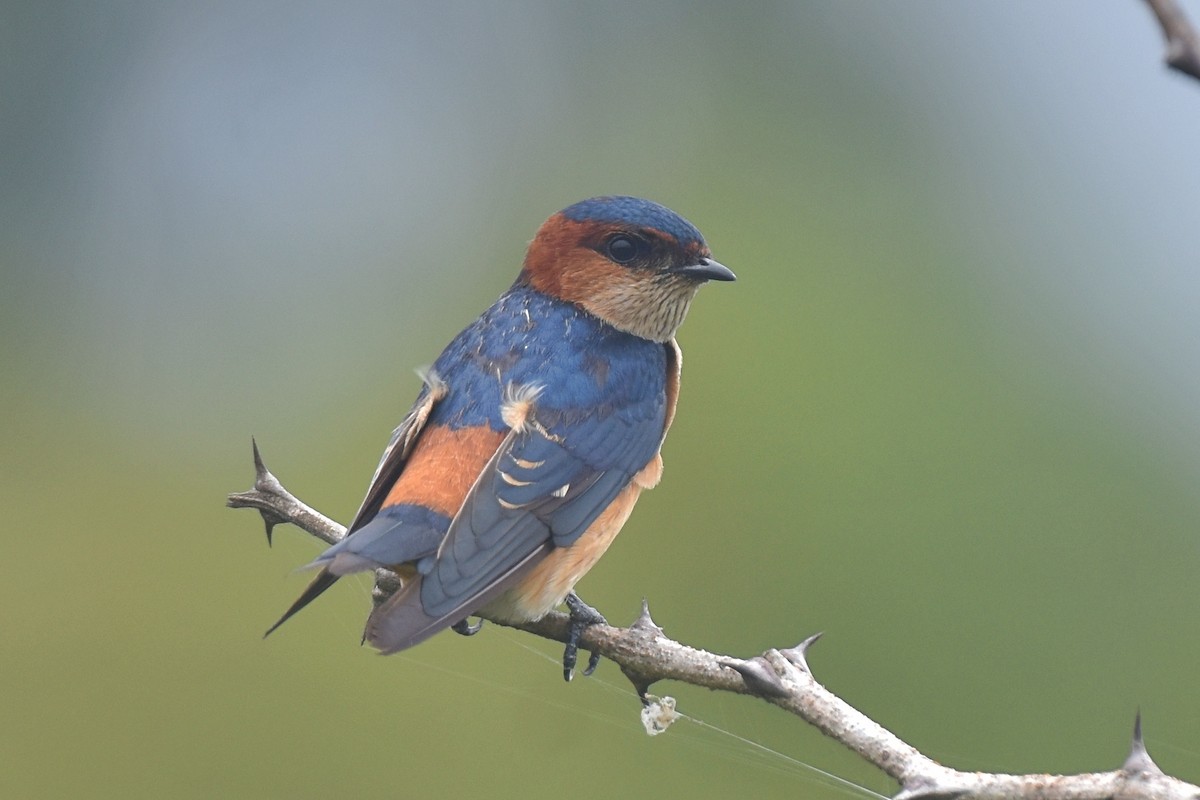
{"points": [[582, 616], [464, 627]]}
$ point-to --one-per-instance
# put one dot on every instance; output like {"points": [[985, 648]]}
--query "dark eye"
{"points": [[622, 248]]}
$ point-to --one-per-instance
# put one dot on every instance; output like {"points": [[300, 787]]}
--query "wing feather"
{"points": [[535, 493], [390, 466], [399, 448]]}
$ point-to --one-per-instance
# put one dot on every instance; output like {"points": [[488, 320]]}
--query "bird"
{"points": [[534, 432]]}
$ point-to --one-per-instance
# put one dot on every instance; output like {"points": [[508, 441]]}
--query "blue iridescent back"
{"points": [[587, 370]]}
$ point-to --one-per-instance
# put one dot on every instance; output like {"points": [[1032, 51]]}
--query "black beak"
{"points": [[707, 269]]}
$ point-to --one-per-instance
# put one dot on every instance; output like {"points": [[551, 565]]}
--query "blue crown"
{"points": [[634, 211]]}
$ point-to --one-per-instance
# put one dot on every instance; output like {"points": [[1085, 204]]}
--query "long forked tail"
{"points": [[323, 581]]}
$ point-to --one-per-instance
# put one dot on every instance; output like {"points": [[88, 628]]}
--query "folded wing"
{"points": [[541, 489]]}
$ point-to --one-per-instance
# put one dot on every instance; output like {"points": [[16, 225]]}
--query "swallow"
{"points": [[534, 433]]}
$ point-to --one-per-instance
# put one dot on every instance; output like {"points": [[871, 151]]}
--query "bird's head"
{"points": [[632, 263]]}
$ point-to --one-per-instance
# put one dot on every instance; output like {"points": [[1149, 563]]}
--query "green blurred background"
{"points": [[947, 414]]}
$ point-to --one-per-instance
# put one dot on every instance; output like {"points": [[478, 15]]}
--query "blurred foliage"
{"points": [[947, 413]]}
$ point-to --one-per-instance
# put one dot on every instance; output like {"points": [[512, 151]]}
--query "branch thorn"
{"points": [[644, 622], [1139, 761], [798, 655], [760, 679], [265, 481]]}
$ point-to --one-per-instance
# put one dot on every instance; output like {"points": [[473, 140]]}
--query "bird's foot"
{"points": [[582, 615], [464, 627]]}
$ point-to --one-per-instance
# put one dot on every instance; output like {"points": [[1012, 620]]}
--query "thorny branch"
{"points": [[780, 677], [1183, 43]]}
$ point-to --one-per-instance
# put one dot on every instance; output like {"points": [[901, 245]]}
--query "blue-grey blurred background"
{"points": [[948, 413]]}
